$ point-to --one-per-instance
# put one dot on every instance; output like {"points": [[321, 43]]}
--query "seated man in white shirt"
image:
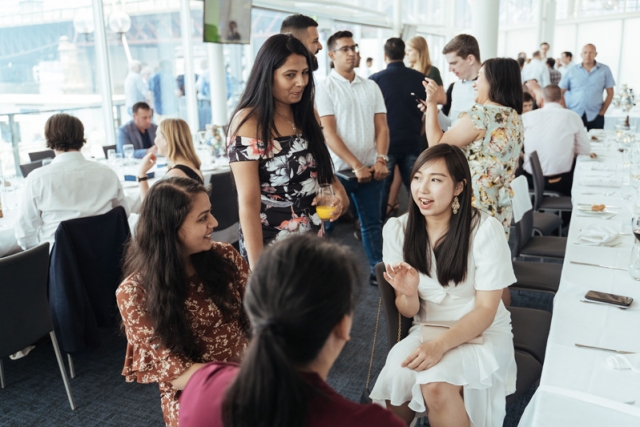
{"points": [[558, 136], [70, 187]]}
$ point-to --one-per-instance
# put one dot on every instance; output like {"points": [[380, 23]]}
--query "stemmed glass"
{"points": [[128, 153], [324, 206], [634, 262]]}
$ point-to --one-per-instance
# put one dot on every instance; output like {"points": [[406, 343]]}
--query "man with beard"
{"points": [[304, 29]]}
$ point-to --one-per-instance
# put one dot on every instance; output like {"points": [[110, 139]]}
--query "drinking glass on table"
{"points": [[635, 176], [634, 261], [128, 151], [324, 206]]}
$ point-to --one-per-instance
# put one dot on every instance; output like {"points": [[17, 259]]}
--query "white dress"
{"points": [[487, 372]]}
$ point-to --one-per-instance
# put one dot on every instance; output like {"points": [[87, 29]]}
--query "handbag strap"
{"points": [[373, 346]]}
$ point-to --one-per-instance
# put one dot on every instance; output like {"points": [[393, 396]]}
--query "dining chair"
{"points": [[27, 168], [41, 155], [552, 202], [224, 207], [527, 245], [24, 309], [544, 223], [529, 368], [106, 149]]}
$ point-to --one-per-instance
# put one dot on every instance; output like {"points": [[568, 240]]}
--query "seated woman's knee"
{"points": [[437, 395]]}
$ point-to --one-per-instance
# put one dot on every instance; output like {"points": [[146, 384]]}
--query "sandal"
{"points": [[392, 209]]}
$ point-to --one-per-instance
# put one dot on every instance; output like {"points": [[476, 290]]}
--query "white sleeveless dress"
{"points": [[487, 372]]}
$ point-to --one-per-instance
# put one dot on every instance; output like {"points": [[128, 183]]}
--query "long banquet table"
{"points": [[577, 387]]}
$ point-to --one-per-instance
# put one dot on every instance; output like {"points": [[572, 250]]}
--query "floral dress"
{"points": [[147, 361], [493, 159], [288, 184]]}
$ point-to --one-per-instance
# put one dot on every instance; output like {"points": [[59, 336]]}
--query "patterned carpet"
{"points": [[35, 396]]}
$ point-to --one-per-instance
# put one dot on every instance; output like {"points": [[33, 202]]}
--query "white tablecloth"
{"points": [[577, 387], [613, 114]]}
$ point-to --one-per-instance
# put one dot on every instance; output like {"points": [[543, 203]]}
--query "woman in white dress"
{"points": [[447, 261]]}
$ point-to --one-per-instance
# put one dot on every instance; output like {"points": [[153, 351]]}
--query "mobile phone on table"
{"points": [[606, 298]]}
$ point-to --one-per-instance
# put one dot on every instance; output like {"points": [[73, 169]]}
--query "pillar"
{"points": [[486, 18]]}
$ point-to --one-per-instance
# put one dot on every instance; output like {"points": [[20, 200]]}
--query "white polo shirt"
{"points": [[557, 134], [354, 105], [463, 97]]}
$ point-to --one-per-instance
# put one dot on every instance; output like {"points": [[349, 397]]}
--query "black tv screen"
{"points": [[227, 21]]}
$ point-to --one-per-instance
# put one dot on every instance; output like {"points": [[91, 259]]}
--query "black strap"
{"points": [[189, 172]]}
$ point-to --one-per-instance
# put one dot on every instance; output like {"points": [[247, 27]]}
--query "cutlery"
{"points": [[603, 303], [599, 217], [598, 194], [598, 265], [605, 349]]}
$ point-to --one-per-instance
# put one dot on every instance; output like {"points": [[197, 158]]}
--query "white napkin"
{"points": [[600, 182], [625, 361], [521, 201], [598, 235]]}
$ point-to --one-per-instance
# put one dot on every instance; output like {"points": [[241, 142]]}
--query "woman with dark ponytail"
{"points": [[300, 302]]}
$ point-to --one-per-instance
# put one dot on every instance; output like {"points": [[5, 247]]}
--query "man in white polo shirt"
{"points": [[463, 56], [557, 134], [354, 120]]}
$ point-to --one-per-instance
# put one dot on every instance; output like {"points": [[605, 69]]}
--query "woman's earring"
{"points": [[455, 205]]}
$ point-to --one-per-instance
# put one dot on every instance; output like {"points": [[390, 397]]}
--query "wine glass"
{"points": [[128, 153], [111, 157], [635, 176], [324, 207]]}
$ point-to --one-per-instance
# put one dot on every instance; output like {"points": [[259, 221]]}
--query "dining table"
{"points": [[578, 386]]}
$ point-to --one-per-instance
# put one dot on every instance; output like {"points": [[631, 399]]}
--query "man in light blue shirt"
{"points": [[135, 90], [582, 87]]}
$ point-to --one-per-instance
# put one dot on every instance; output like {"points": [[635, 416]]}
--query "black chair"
{"points": [[545, 223], [529, 367], [224, 206], [535, 276], [41, 155], [27, 168], [526, 245], [24, 309], [84, 273], [540, 201], [106, 149]]}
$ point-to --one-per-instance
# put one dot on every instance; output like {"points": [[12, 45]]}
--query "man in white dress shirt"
{"points": [[69, 187], [537, 70], [463, 56], [354, 119], [557, 134]]}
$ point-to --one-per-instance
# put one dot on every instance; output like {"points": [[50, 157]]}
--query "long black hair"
{"points": [[452, 249], [299, 291], [505, 82], [156, 259], [258, 100]]}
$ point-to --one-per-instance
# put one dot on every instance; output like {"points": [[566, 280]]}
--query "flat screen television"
{"points": [[227, 21]]}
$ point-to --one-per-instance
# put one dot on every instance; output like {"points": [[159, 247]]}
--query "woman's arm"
{"points": [[181, 382], [405, 280], [147, 163], [247, 181]]}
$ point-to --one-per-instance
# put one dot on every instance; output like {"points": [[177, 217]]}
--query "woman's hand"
{"points": [[403, 278], [425, 356], [379, 171], [338, 207], [431, 87], [147, 163]]}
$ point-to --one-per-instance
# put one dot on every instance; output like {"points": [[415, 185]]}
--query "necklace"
{"points": [[295, 130]]}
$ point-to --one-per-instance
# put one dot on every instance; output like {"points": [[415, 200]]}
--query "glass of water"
{"points": [[128, 151]]}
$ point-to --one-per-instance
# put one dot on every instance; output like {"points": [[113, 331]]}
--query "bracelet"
{"points": [[358, 170], [381, 160], [142, 179]]}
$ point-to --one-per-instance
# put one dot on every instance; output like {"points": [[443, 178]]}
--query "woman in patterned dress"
{"points": [[277, 152], [181, 301], [491, 135]]}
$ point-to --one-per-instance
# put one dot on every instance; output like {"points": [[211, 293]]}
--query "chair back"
{"points": [[224, 200], [84, 273], [397, 325], [524, 231], [538, 180], [27, 168], [40, 155], [24, 309], [106, 149]]}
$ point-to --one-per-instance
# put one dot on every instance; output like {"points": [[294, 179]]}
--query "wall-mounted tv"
{"points": [[227, 21]]}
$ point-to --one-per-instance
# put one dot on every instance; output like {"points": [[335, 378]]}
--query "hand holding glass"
{"points": [[325, 200]]}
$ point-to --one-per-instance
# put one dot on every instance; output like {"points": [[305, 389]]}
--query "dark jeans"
{"points": [[366, 199], [405, 164], [597, 123]]}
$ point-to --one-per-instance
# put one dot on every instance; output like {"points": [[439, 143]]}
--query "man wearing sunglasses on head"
{"points": [[354, 119]]}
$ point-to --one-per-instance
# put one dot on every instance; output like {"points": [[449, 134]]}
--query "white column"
{"points": [[547, 24], [486, 17], [102, 58], [397, 18], [189, 74], [215, 57]]}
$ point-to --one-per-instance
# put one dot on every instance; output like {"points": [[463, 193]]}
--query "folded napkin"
{"points": [[521, 201], [625, 361], [598, 235], [600, 182]]}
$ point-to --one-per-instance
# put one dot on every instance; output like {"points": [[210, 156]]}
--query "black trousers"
{"points": [[597, 123], [561, 183]]}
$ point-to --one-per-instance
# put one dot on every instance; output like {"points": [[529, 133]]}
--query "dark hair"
{"points": [[526, 97], [545, 44], [505, 82], [301, 288], [568, 54], [140, 106], [64, 132], [452, 249], [297, 22], [520, 61], [463, 45], [394, 49], [155, 259], [257, 99], [536, 54], [370, 59], [331, 42], [551, 62]]}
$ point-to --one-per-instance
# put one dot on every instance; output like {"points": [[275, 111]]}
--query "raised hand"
{"points": [[403, 278], [431, 87]]}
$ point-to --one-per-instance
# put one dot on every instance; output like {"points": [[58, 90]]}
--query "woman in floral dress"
{"points": [[181, 301], [276, 149], [491, 135]]}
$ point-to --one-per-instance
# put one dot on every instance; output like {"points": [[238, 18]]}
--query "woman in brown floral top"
{"points": [[181, 303]]}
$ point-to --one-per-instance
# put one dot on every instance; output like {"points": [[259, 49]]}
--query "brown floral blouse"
{"points": [[147, 361]]}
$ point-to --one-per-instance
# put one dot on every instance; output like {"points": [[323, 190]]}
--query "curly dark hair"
{"points": [[64, 132]]}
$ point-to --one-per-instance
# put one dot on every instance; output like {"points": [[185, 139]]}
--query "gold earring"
{"points": [[455, 205]]}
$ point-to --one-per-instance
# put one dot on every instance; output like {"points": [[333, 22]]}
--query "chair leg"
{"points": [[72, 369], [1, 375], [63, 371]]}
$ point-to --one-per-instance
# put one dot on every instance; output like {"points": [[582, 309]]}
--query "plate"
{"points": [[587, 209]]}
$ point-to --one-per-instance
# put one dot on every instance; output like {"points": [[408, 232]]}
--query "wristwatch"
{"points": [[138, 179], [383, 157]]}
